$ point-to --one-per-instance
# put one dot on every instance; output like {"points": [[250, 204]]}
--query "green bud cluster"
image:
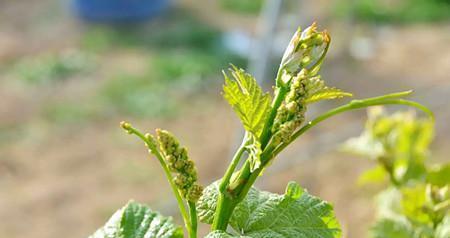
{"points": [[299, 66], [179, 163], [291, 114]]}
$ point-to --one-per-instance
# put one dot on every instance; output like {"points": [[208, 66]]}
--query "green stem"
{"points": [[224, 210], [232, 167], [155, 152], [280, 94], [224, 203], [193, 219]]}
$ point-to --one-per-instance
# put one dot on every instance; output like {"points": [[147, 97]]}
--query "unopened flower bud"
{"points": [[194, 193], [291, 107], [181, 180], [305, 50], [126, 126]]}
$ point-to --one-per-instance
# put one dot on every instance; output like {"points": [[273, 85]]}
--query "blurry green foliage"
{"points": [[53, 67], [398, 142], [417, 211], [418, 203], [184, 54], [399, 11], [138, 95], [439, 175], [243, 6], [70, 112]]}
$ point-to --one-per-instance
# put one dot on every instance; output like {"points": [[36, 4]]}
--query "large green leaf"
{"points": [[248, 100], [135, 220], [262, 214]]}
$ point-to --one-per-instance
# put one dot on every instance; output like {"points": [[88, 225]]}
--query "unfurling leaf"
{"points": [[254, 152], [135, 220], [317, 91], [263, 214], [248, 100]]}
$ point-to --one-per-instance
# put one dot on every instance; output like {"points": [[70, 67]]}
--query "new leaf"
{"points": [[248, 100], [317, 91]]}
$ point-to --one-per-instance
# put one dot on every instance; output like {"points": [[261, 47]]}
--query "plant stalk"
{"points": [[224, 210], [193, 220], [280, 94], [224, 203]]}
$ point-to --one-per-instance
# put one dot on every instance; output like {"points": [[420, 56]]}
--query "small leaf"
{"points": [[135, 220], [293, 190], [317, 91], [375, 175], [263, 214], [247, 99], [414, 200], [439, 175], [254, 152]]}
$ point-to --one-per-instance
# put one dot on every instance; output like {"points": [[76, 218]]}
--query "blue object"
{"points": [[119, 11]]}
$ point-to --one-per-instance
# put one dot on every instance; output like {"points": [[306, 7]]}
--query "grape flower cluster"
{"points": [[299, 67], [179, 163]]}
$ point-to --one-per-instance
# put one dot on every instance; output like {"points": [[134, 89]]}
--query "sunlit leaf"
{"points": [[248, 100]]}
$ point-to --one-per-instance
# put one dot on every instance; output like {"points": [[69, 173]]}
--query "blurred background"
{"points": [[70, 71]]}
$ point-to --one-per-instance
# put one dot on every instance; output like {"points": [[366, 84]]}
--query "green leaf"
{"points": [[375, 175], [135, 220], [398, 228], [443, 230], [263, 214], [247, 99], [414, 200], [439, 175], [317, 91]]}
